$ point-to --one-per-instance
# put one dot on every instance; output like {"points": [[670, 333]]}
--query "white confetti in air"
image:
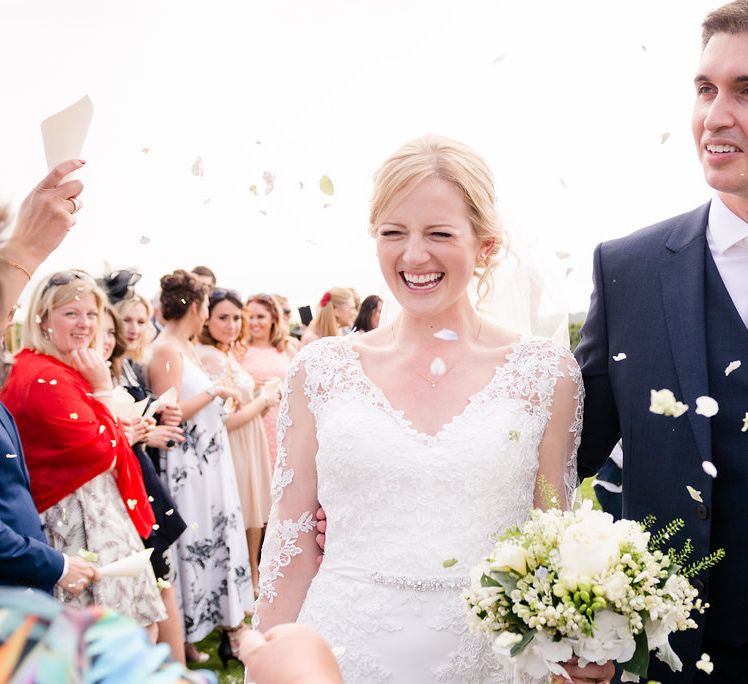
{"points": [[114, 442], [101, 429], [170, 511], [131, 503], [156, 526], [620, 357], [38, 318], [732, 366], [53, 382], [197, 167], [74, 416], [150, 498], [447, 335], [338, 651], [144, 240], [709, 468], [663, 403], [438, 367], [162, 583], [41, 380], [695, 494], [705, 663], [706, 406], [10, 456], [194, 525]]}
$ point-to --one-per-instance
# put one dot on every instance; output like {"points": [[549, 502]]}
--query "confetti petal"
{"points": [[41, 380], [663, 403], [253, 189], [663, 138], [88, 556], [447, 335], [450, 562], [38, 318], [197, 167], [620, 357], [74, 416], [514, 435], [53, 382], [194, 525], [709, 468], [170, 511], [150, 498], [156, 526], [732, 366], [131, 503], [101, 429], [338, 651], [113, 442], [695, 494], [145, 150], [706, 406], [269, 178], [745, 423], [162, 583], [325, 184], [562, 255], [11, 456], [144, 240], [438, 367], [705, 663]]}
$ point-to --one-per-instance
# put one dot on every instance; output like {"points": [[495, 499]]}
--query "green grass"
{"points": [[586, 491], [234, 672]]}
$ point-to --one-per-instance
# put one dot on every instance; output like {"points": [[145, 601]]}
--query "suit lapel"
{"points": [[682, 281]]}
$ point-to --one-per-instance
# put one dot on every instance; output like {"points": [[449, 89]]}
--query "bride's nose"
{"points": [[416, 251]]}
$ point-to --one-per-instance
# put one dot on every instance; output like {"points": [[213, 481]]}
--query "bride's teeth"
{"points": [[721, 148]]}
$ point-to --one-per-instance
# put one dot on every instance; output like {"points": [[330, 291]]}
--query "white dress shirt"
{"points": [[727, 237]]}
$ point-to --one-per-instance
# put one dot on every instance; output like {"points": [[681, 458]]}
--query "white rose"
{"points": [[612, 640], [615, 586], [539, 658], [587, 549], [508, 556]]}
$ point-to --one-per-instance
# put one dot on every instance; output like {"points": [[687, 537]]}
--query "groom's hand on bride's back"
{"points": [[592, 674], [321, 529]]}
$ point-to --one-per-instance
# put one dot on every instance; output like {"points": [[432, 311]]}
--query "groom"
{"points": [[674, 299]]}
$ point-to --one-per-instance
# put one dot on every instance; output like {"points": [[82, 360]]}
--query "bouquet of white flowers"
{"points": [[579, 583]]}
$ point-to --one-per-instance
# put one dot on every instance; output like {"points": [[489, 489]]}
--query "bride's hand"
{"points": [[591, 674]]}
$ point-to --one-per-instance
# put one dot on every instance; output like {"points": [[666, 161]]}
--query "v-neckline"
{"points": [[399, 414]]}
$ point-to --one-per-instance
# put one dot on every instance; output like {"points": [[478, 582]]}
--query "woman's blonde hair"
{"points": [[141, 353], [59, 289], [324, 323], [458, 164]]}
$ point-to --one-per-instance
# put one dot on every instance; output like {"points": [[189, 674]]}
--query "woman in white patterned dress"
{"points": [[421, 440], [214, 585]]}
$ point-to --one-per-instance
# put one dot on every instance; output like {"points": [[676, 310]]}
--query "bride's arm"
{"points": [[557, 454], [289, 553]]}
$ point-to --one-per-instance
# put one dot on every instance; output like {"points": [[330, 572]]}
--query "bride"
{"points": [[421, 440]]}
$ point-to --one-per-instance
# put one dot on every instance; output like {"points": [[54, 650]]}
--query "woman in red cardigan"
{"points": [[85, 480]]}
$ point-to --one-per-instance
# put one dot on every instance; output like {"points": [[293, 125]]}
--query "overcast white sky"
{"points": [[568, 101]]}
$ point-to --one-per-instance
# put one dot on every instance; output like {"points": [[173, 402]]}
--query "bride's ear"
{"points": [[485, 251]]}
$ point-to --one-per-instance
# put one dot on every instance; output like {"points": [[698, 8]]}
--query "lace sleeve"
{"points": [[557, 453], [289, 553]]}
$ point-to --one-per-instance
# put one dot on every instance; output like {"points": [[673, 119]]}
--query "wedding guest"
{"points": [[249, 443], [336, 312], [205, 275], [214, 585], [26, 559], [267, 354], [169, 524], [674, 298], [368, 314], [292, 341], [85, 480]]}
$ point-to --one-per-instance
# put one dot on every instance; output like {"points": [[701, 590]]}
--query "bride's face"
{"points": [[427, 248]]}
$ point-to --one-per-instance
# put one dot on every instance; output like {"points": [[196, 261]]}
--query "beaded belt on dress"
{"points": [[420, 583]]}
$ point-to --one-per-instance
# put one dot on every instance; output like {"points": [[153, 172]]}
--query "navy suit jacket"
{"points": [[25, 557], [648, 302]]}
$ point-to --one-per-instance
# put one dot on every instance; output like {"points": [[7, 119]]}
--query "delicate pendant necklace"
{"points": [[438, 368]]}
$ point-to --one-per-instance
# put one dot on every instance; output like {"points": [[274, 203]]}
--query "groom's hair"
{"points": [[731, 18]]}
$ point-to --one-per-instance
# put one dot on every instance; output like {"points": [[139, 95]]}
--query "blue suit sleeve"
{"points": [[29, 562], [601, 428]]}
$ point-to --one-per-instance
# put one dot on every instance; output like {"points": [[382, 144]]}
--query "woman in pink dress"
{"points": [[267, 353]]}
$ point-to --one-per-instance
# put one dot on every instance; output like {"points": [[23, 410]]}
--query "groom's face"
{"points": [[720, 116]]}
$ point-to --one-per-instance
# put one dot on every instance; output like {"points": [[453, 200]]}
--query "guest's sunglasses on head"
{"points": [[65, 277], [220, 293]]}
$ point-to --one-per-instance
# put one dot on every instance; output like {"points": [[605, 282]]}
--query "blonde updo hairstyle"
{"points": [[140, 354], [458, 164], [49, 296], [325, 324]]}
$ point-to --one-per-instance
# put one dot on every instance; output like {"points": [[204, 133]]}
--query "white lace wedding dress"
{"points": [[399, 503]]}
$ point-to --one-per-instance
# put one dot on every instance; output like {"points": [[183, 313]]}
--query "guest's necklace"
{"points": [[435, 378]]}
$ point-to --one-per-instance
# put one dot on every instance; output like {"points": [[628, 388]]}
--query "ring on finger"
{"points": [[77, 204]]}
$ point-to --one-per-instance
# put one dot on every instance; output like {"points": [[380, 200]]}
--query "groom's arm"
{"points": [[601, 426]]}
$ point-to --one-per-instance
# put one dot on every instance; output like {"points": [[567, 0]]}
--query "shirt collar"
{"points": [[725, 228]]}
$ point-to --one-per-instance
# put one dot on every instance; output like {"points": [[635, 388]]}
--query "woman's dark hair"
{"points": [[119, 285], [178, 291], [120, 343], [218, 295], [368, 307]]}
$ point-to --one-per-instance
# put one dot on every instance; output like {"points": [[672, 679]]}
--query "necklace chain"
{"points": [[431, 381]]}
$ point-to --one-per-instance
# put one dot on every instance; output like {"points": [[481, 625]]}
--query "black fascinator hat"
{"points": [[119, 285]]}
